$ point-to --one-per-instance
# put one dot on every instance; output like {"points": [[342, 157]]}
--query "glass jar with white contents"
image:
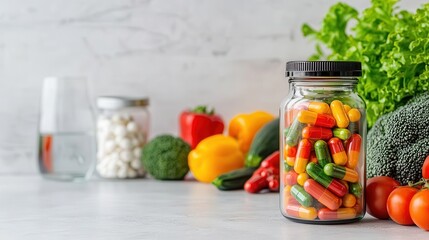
{"points": [[122, 131]]}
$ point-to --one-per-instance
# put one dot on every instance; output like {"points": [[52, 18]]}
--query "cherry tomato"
{"points": [[425, 168], [398, 205], [377, 192], [419, 209]]}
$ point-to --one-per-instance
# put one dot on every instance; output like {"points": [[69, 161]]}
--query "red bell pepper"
{"points": [[199, 123]]}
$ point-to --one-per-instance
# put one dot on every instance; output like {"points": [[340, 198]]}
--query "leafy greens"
{"points": [[392, 44]]}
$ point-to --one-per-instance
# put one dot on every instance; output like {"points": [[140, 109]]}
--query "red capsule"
{"points": [[316, 119], [336, 148], [316, 133], [313, 157]]}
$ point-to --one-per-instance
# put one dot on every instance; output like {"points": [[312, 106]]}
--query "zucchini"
{"points": [[265, 142], [233, 180]]}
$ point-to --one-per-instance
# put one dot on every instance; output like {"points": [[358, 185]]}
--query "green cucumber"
{"points": [[233, 180], [265, 142]]}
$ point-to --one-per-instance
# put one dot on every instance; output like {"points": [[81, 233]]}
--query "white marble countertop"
{"points": [[34, 208]]}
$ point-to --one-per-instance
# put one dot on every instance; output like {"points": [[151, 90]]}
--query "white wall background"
{"points": [[229, 54]]}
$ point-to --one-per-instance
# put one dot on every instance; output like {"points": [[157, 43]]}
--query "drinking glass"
{"points": [[67, 143]]}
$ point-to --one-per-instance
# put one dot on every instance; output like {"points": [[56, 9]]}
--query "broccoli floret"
{"points": [[166, 157], [398, 143]]}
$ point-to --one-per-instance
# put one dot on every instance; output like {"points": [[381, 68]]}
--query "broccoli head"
{"points": [[398, 143], [166, 157]]}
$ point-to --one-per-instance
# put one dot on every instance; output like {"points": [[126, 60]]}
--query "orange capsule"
{"points": [[302, 155], [341, 213], [336, 148], [349, 200], [339, 113], [353, 150], [321, 194], [316, 133], [316, 119]]}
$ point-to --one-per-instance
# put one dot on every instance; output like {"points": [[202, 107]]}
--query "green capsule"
{"points": [[285, 131], [294, 133], [355, 189], [286, 167], [301, 196], [322, 153], [342, 133], [341, 172], [316, 172]]}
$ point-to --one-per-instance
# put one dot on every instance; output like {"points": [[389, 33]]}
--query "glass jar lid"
{"points": [[323, 69], [116, 102]]}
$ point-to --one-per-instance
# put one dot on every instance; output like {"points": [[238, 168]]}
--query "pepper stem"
{"points": [[202, 109]]}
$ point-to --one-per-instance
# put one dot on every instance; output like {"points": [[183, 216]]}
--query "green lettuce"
{"points": [[392, 44]]}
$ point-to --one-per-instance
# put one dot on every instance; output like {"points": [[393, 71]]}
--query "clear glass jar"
{"points": [[122, 131], [323, 143]]}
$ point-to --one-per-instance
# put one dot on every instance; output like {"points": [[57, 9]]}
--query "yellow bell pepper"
{"points": [[243, 127], [214, 156]]}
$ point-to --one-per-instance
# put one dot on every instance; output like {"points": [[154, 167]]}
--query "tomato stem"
{"points": [[423, 182]]}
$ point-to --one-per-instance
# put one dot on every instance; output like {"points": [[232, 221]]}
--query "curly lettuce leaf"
{"points": [[391, 44]]}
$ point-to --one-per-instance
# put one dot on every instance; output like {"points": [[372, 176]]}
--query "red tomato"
{"points": [[425, 168], [419, 209], [398, 205], [377, 191]]}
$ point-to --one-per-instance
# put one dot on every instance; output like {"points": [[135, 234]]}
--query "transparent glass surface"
{"points": [[66, 142], [323, 169]]}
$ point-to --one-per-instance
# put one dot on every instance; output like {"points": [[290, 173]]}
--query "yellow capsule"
{"points": [[290, 161], [286, 191], [302, 155], [289, 155], [319, 107], [338, 112], [298, 211], [354, 115], [349, 200], [302, 177], [347, 108]]}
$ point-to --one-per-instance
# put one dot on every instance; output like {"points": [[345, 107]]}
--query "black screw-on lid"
{"points": [[323, 69]]}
